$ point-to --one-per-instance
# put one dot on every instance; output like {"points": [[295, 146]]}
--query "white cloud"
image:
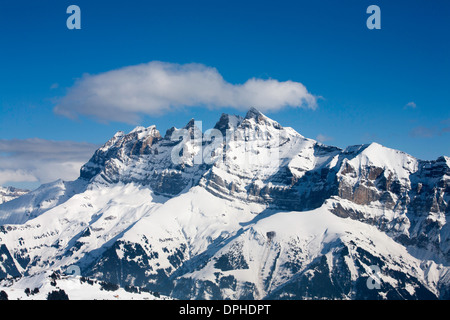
{"points": [[38, 160], [157, 87], [323, 138], [15, 175], [410, 105], [423, 132]]}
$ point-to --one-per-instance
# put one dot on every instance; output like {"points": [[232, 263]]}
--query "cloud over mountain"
{"points": [[159, 87], [39, 160]]}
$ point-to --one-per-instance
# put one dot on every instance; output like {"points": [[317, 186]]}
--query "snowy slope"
{"points": [[77, 288], [60, 236], [32, 204], [272, 253]]}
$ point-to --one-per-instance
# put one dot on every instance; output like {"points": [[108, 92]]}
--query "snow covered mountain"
{"points": [[274, 216], [10, 193]]}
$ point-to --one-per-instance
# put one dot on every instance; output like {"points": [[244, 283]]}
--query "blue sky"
{"points": [[390, 85]]}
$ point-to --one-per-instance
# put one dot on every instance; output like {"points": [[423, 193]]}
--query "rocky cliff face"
{"points": [[145, 158], [275, 215]]}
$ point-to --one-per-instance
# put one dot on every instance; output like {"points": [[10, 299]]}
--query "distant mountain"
{"points": [[263, 213], [10, 193]]}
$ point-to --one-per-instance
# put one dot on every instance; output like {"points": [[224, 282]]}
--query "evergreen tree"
{"points": [[58, 295], [3, 296]]}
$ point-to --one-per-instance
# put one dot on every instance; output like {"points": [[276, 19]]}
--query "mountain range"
{"points": [[10, 193], [274, 216]]}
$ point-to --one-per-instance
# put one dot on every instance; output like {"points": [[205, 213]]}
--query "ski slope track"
{"points": [[314, 222]]}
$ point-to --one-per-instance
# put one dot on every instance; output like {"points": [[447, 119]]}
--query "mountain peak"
{"points": [[447, 160], [142, 133], [190, 124], [444, 159], [119, 134], [228, 122], [258, 117], [254, 113], [138, 129]]}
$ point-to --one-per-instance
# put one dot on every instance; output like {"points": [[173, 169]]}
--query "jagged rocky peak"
{"points": [[138, 142], [169, 133], [372, 172], [148, 135], [118, 135], [438, 168], [190, 124], [143, 157], [146, 138], [143, 133], [254, 113], [255, 116], [191, 127], [361, 159], [447, 160], [228, 122]]}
